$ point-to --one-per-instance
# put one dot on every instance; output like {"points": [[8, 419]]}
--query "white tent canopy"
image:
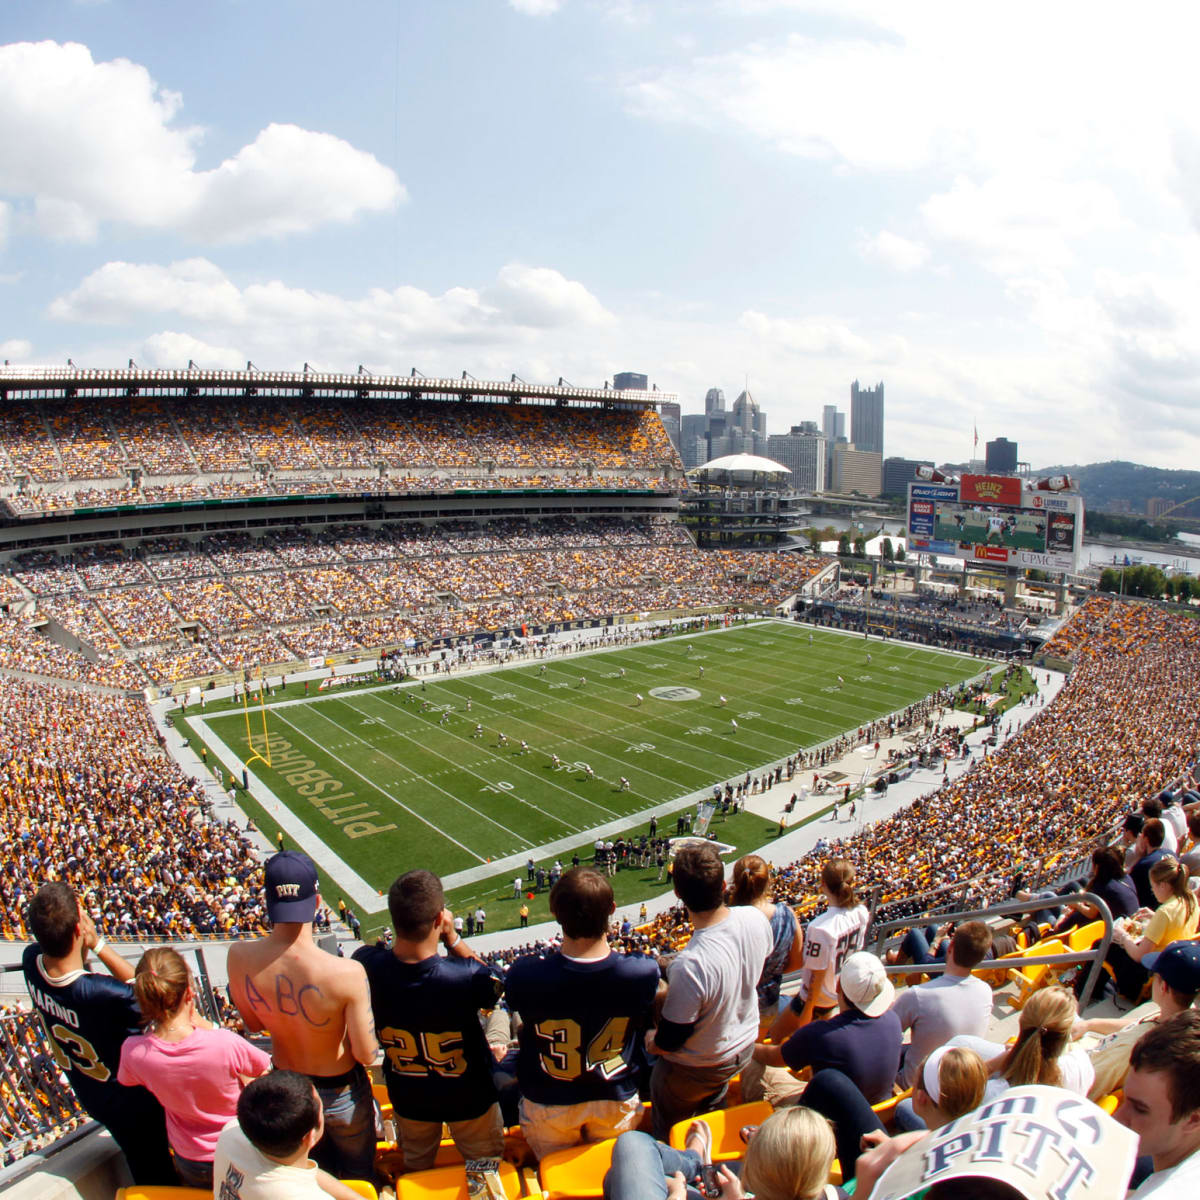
{"points": [[750, 464]]}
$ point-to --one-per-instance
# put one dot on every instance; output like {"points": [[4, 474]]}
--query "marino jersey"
{"points": [[87, 1017], [437, 1065], [581, 1037], [828, 941]]}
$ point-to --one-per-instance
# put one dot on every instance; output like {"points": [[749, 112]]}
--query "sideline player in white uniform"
{"points": [[637, 699], [722, 701], [829, 940]]}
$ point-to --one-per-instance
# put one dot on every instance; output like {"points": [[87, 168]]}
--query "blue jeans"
{"points": [[347, 1147], [915, 946], [640, 1167], [906, 1117]]}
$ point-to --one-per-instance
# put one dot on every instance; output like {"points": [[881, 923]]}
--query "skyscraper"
{"points": [[714, 401], [866, 417], [631, 381], [1001, 457], [802, 451]]}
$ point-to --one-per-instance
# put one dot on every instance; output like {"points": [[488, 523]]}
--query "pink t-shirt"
{"points": [[196, 1081]]}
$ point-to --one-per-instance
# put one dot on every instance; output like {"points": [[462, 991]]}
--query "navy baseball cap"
{"points": [[1178, 966], [291, 886]]}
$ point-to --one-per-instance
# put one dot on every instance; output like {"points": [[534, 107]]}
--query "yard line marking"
{"points": [[380, 788]]}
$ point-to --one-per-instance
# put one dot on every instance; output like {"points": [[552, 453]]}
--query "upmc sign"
{"points": [[990, 489]]}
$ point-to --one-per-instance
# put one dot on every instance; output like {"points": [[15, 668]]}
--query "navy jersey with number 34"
{"points": [[581, 1037]]}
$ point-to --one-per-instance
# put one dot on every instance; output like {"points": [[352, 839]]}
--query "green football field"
{"points": [[378, 780]]}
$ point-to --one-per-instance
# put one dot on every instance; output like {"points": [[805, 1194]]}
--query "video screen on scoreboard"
{"points": [[988, 525]]}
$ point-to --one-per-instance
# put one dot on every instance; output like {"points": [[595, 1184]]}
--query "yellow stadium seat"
{"points": [[450, 1183], [577, 1172], [885, 1109], [1032, 979], [162, 1192], [726, 1125], [1083, 937], [1110, 1102]]}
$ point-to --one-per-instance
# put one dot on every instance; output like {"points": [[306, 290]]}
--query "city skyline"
{"points": [[564, 188]]}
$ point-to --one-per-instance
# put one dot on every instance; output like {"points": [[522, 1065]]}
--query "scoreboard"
{"points": [[993, 519]]}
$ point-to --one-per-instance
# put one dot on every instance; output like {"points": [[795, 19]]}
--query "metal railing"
{"points": [[881, 930]]}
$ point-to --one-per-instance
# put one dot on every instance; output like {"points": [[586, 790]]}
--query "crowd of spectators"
{"points": [[229, 600], [90, 797], [91, 800], [146, 451]]}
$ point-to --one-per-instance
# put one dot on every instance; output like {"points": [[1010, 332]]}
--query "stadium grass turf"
{"points": [[457, 801]]}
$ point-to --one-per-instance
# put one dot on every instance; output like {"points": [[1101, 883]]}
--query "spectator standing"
{"points": [[751, 885], [710, 1016], [88, 1017], [317, 1009], [196, 1071], [437, 1064], [583, 1009], [829, 940]]}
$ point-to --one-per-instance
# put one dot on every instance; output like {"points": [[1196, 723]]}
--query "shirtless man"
{"points": [[317, 1009]]}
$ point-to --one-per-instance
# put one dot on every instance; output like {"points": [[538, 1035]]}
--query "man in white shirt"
{"points": [[263, 1155], [948, 1004], [710, 1016], [1162, 1106]]}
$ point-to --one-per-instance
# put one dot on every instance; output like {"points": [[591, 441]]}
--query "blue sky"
{"points": [[992, 210]]}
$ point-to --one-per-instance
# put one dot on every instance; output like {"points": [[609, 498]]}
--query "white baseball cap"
{"points": [[866, 985]]}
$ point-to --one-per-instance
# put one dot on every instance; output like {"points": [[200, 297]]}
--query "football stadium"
{"points": [[394, 626]]}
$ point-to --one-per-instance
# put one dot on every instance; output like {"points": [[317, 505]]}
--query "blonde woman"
{"points": [[195, 1071], [788, 1158], [1043, 1051]]}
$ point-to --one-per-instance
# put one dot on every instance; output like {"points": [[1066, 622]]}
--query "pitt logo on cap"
{"points": [[283, 890]]}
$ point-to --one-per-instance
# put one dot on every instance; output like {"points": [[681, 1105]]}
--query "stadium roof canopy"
{"points": [[35, 382], [741, 464]]}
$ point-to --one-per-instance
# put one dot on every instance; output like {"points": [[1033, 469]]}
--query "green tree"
{"points": [[860, 546], [1110, 580], [889, 552], [901, 554], [844, 544]]}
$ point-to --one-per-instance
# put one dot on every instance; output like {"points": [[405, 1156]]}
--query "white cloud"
{"points": [[88, 143], [119, 291], [521, 304], [822, 336], [16, 348], [535, 8], [893, 251], [170, 349], [1013, 223], [5, 223], [541, 297]]}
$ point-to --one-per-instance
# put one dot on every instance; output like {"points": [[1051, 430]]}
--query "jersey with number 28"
{"points": [[828, 941]]}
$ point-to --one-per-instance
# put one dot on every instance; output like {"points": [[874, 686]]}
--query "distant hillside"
{"points": [[1105, 485]]}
